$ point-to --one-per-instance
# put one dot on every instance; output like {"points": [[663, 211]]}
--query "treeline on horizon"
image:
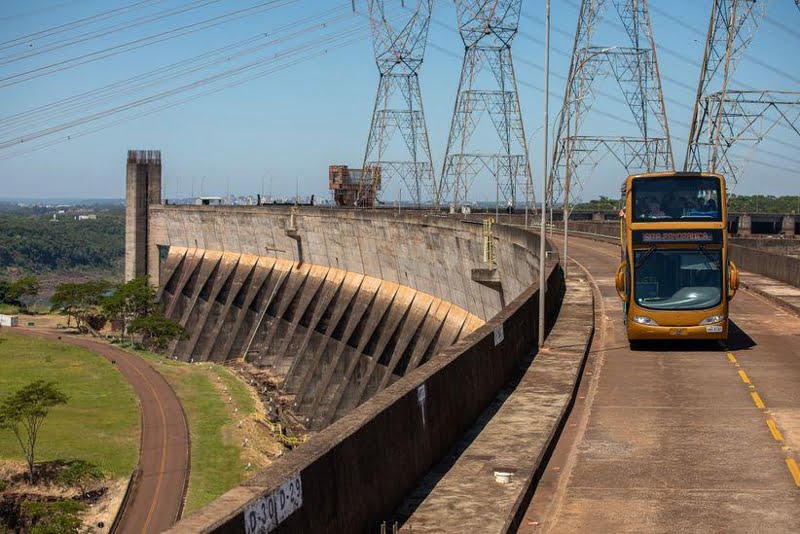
{"points": [[37, 244]]}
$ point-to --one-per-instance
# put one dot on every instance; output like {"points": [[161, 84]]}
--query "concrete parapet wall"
{"points": [[433, 255], [767, 263], [356, 472]]}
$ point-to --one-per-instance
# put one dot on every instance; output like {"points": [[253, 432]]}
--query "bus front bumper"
{"points": [[638, 331]]}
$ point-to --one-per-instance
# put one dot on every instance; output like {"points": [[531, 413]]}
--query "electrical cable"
{"points": [[72, 25], [83, 101], [141, 42], [110, 30]]}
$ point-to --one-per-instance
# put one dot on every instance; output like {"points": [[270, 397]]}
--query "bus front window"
{"points": [[676, 199], [671, 279]]}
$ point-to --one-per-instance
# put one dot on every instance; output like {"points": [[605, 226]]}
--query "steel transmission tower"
{"points": [[487, 86], [635, 69], [724, 116], [397, 146]]}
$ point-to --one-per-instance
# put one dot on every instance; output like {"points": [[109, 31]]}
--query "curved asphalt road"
{"points": [[164, 452], [678, 438]]}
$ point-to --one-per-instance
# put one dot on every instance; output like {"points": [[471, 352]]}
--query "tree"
{"points": [[79, 473], [23, 413], [27, 286], [133, 299], [80, 300], [157, 331], [14, 292]]}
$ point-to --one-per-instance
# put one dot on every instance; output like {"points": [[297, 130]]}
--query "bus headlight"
{"points": [[643, 319], [713, 319]]}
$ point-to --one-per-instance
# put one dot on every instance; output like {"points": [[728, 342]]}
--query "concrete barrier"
{"points": [[357, 471], [767, 263]]}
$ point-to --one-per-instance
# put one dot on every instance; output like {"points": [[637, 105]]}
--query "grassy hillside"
{"points": [[99, 424]]}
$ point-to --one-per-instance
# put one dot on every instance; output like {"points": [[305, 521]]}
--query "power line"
{"points": [[72, 25], [83, 101], [141, 42], [103, 32], [327, 40], [357, 37]]}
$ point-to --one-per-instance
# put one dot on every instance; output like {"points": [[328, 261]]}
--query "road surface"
{"points": [[156, 501], [678, 438]]}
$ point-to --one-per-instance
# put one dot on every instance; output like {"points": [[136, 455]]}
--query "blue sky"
{"points": [[288, 126]]}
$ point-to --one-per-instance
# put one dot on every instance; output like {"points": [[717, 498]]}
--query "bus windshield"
{"points": [[677, 279], [676, 198]]}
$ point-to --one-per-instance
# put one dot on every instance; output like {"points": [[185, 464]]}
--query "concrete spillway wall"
{"points": [[334, 337], [339, 305], [433, 255], [357, 470]]}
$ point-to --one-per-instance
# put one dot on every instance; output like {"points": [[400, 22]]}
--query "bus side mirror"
{"points": [[619, 281], [733, 279]]}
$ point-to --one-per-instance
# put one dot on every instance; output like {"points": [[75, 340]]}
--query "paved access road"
{"points": [[678, 438], [164, 452]]}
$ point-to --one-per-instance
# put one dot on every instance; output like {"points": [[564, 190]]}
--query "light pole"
{"points": [[542, 236], [568, 154]]}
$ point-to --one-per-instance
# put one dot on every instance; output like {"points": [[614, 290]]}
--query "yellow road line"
{"points": [[744, 377], [757, 400], [774, 429], [731, 357], [794, 470]]}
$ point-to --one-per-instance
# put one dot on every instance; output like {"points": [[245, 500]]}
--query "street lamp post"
{"points": [[568, 154], [542, 236]]}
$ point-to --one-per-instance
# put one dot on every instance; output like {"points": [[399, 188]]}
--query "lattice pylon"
{"points": [[634, 66], [398, 149], [487, 93], [731, 27], [744, 119]]}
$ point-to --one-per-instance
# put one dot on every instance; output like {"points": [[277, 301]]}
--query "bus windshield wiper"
{"points": [[708, 255], [645, 256]]}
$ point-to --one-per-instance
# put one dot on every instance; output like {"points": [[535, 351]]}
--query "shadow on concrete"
{"points": [[425, 486], [738, 339]]}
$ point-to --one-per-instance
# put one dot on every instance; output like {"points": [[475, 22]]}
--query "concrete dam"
{"points": [[339, 305], [392, 334]]}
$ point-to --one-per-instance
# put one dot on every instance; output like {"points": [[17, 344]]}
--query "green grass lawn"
{"points": [[99, 423], [216, 464]]}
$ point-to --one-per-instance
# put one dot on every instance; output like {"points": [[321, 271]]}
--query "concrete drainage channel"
{"points": [[486, 482]]}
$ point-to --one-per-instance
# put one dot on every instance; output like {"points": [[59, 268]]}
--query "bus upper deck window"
{"points": [[676, 199]]}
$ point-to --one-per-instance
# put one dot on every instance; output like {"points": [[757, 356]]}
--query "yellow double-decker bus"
{"points": [[675, 278]]}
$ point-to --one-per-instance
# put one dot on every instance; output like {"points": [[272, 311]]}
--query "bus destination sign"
{"points": [[653, 237]]}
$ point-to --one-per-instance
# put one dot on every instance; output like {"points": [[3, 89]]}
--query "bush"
{"points": [[78, 473], [57, 517]]}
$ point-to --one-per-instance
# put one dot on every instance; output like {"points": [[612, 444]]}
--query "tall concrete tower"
{"points": [[143, 188]]}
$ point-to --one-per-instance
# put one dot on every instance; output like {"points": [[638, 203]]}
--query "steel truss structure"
{"points": [[487, 86], [398, 149], [741, 117], [723, 116], [635, 69]]}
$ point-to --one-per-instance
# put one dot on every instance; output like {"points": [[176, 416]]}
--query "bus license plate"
{"points": [[714, 329], [678, 332]]}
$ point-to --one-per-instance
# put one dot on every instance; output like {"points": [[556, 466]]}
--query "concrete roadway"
{"points": [[678, 438], [156, 501]]}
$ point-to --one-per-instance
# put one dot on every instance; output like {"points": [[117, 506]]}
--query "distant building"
{"points": [[9, 320], [345, 182], [89, 217], [208, 201]]}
